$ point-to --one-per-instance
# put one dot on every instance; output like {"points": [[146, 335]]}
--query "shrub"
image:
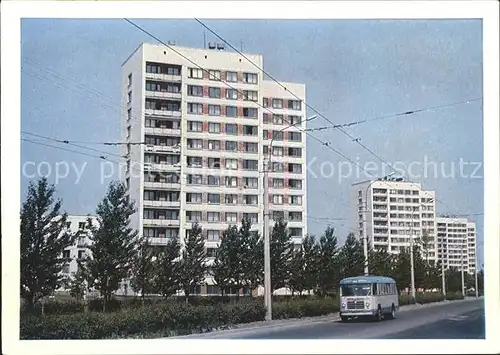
{"points": [[299, 308]]}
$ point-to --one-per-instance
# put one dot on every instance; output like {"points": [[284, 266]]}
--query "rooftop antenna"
{"points": [[204, 40]]}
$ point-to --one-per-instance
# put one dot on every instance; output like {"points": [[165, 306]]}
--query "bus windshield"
{"points": [[356, 290]]}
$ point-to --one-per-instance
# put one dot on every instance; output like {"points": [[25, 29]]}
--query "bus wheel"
{"points": [[378, 316], [343, 319], [393, 313]]}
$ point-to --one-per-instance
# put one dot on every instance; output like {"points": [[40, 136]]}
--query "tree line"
{"points": [[118, 253]]}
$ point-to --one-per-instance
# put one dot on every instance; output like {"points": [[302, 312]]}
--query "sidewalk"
{"points": [[292, 322]]}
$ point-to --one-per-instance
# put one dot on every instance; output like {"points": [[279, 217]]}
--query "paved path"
{"points": [[446, 320]]}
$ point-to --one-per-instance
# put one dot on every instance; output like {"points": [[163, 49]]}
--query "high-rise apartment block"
{"points": [[457, 243], [205, 135], [394, 211]]}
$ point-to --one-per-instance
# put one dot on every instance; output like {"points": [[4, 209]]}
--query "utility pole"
{"points": [[267, 245], [412, 264], [475, 270], [462, 268], [443, 276], [365, 236]]}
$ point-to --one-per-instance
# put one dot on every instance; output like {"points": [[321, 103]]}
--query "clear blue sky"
{"points": [[354, 70]]}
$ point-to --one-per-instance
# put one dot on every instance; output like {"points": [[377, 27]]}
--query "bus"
{"points": [[368, 296]]}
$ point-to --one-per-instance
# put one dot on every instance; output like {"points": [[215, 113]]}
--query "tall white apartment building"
{"points": [[205, 141], [457, 243], [394, 211]]}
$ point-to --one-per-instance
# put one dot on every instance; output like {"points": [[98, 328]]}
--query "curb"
{"points": [[292, 322]]}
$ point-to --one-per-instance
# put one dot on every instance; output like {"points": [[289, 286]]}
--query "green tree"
{"points": [[380, 262], [143, 268], [426, 243], [420, 268], [77, 285], [328, 271], [43, 240], [310, 252], [192, 263], [351, 257], [253, 255], [401, 271], [297, 265], [280, 247], [113, 243], [167, 269], [227, 263]]}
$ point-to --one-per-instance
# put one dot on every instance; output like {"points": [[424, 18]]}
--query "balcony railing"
{"points": [[163, 113], [160, 131], [152, 203], [163, 95], [162, 185], [163, 77], [161, 222]]}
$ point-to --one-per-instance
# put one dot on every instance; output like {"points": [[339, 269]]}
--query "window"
{"points": [[192, 197], [295, 184], [214, 110], [265, 118], [214, 75], [296, 200], [194, 73], [250, 78], [278, 199], [251, 147], [193, 216], [250, 112], [278, 119], [265, 134], [66, 254], [294, 136], [295, 216], [250, 95], [129, 80], [294, 105], [231, 76], [231, 199], [195, 90], [214, 93], [231, 181], [129, 97], [231, 111], [278, 183], [252, 217], [129, 114], [213, 145], [213, 181], [277, 215], [231, 164], [295, 232], [277, 103], [278, 151], [195, 144], [213, 235], [213, 217], [231, 129], [278, 135], [195, 109], [81, 225], [81, 254], [68, 225], [250, 130], [194, 179], [251, 182], [295, 120], [214, 163], [295, 168], [231, 217], [278, 167], [251, 164], [295, 152], [251, 199], [232, 94], [194, 162], [214, 127], [231, 146], [265, 102], [195, 126], [129, 129]]}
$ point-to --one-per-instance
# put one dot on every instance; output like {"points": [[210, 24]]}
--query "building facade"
{"points": [[457, 243], [392, 211], [196, 141]]}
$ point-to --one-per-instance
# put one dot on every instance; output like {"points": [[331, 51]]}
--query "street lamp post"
{"points": [[443, 276], [267, 237], [412, 261], [462, 266], [475, 271]]}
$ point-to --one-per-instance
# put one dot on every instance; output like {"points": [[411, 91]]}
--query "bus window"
{"points": [[374, 288]]}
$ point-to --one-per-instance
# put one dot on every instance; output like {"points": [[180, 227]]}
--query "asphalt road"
{"points": [[453, 320]]}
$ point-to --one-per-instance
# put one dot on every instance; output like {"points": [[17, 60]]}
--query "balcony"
{"points": [[173, 149], [159, 241], [162, 185], [163, 77], [163, 95], [81, 242], [162, 167], [152, 203], [162, 131], [162, 113], [161, 222]]}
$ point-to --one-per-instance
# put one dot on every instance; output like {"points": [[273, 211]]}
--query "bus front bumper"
{"points": [[358, 313]]}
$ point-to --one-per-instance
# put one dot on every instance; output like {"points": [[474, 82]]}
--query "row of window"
{"points": [[218, 110], [162, 105], [160, 68], [220, 93], [233, 199], [281, 120], [246, 164], [216, 75], [67, 254], [279, 103]]}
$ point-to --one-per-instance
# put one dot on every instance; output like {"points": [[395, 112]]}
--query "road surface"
{"points": [[452, 320]]}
